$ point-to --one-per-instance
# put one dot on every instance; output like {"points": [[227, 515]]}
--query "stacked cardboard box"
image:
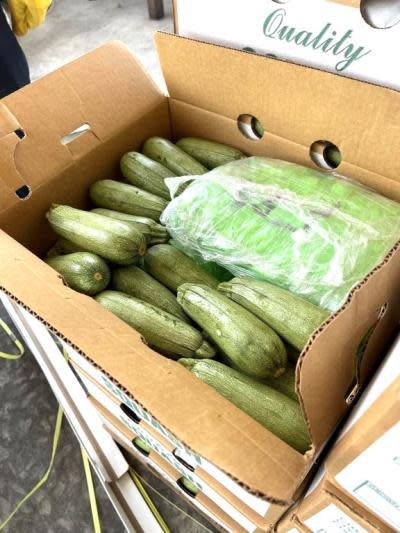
{"points": [[247, 476], [350, 37], [359, 482]]}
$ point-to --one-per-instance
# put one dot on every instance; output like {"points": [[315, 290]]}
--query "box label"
{"points": [[333, 520], [373, 478], [324, 34]]}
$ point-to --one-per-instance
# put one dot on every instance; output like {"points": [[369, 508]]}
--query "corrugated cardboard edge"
{"points": [[226, 122], [201, 75], [323, 496], [331, 318], [280, 60], [43, 277], [378, 419], [153, 462], [127, 392], [273, 513]]}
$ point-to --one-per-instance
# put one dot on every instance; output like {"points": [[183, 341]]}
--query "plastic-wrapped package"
{"points": [[313, 233]]}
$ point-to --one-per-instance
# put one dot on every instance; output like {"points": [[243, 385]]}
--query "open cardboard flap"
{"points": [[297, 106], [108, 90]]}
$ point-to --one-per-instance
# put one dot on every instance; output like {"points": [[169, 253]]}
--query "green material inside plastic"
{"points": [[313, 233]]}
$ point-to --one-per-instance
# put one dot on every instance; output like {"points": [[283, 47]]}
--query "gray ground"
{"points": [[27, 405], [27, 419], [74, 27]]}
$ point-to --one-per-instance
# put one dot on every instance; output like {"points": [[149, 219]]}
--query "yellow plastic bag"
{"points": [[27, 14]]}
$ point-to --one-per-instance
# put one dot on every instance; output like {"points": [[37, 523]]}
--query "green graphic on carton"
{"points": [[144, 415], [327, 40]]}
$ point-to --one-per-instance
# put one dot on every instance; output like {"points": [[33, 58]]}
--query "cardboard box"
{"points": [[325, 512], [349, 37], [248, 511], [227, 518], [365, 465], [362, 470], [209, 87]]}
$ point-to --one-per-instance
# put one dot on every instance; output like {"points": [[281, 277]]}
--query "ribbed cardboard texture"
{"points": [[109, 90]]}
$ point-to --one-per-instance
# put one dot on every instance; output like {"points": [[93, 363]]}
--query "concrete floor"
{"points": [[73, 27], [27, 405], [27, 418]]}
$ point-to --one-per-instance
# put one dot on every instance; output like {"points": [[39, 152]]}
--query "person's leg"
{"points": [[14, 70]]}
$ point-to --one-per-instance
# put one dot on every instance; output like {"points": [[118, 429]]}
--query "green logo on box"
{"points": [[327, 40]]}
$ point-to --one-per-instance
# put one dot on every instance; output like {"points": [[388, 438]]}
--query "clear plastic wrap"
{"points": [[313, 233]]}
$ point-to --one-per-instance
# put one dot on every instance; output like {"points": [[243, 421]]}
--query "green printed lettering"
{"points": [[326, 40]]}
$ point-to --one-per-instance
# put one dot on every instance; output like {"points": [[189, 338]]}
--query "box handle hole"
{"points": [[141, 446], [78, 132], [325, 155], [187, 486], [250, 127], [249, 49], [20, 133], [131, 414], [23, 192], [380, 14], [182, 461], [355, 384]]}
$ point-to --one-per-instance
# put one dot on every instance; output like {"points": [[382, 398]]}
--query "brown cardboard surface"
{"points": [[9, 141], [324, 495], [126, 432], [191, 120], [291, 524], [375, 523], [274, 512], [324, 406], [155, 460], [299, 104], [192, 411], [383, 414], [330, 348], [54, 106], [351, 3], [380, 417], [321, 498]]}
